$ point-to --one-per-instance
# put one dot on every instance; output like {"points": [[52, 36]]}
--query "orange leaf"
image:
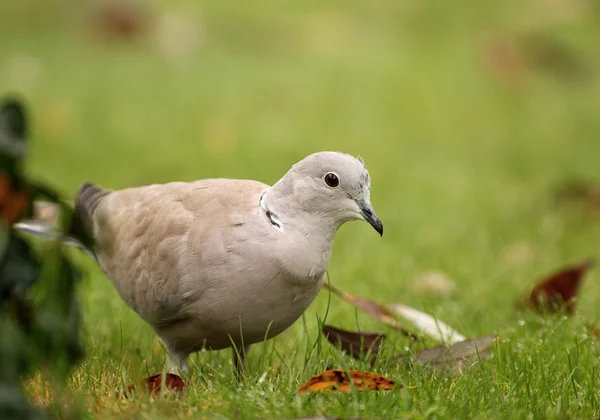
{"points": [[559, 289], [374, 309], [339, 380]]}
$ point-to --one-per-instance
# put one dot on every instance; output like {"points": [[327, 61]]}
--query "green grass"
{"points": [[463, 166]]}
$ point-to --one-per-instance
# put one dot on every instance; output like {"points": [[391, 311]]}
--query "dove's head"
{"points": [[332, 186]]}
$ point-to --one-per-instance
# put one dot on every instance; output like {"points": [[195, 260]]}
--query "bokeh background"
{"points": [[469, 117]]}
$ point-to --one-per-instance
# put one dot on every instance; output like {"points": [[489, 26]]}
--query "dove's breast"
{"points": [[250, 286]]}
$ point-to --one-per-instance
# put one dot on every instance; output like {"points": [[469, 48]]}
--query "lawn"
{"points": [[468, 118]]}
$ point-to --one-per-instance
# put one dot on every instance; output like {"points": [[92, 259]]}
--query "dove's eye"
{"points": [[332, 180]]}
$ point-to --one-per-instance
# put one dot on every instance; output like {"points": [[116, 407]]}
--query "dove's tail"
{"points": [[44, 222]]}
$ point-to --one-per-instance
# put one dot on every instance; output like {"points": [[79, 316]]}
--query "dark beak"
{"points": [[369, 214]]}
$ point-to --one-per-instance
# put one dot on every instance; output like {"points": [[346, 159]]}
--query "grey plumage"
{"points": [[203, 261]]}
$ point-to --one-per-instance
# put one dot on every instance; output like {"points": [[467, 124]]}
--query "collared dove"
{"points": [[222, 263]]}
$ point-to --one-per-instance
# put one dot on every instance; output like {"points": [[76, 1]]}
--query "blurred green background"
{"points": [[468, 116]]}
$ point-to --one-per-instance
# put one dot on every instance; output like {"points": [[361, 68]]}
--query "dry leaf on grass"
{"points": [[557, 290], [358, 344], [124, 20], [452, 358], [154, 384], [344, 381], [578, 190], [427, 324], [594, 328], [548, 54], [387, 315], [456, 357], [374, 309], [503, 60]]}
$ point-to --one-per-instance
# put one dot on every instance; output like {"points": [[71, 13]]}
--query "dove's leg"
{"points": [[239, 359], [177, 361]]}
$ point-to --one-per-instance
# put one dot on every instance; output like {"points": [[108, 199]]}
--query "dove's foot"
{"points": [[177, 362]]}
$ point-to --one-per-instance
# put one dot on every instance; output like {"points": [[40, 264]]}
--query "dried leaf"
{"points": [[339, 380], [374, 309], [594, 328], [578, 190], [124, 20], [172, 382], [502, 58], [456, 357], [358, 344], [427, 324], [549, 54], [557, 290], [154, 383]]}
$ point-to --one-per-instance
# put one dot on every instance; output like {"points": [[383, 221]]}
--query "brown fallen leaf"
{"points": [[339, 380], [455, 357], [153, 384], [121, 19], [557, 290], [594, 328], [581, 191], [374, 309], [545, 53], [364, 343], [504, 61]]}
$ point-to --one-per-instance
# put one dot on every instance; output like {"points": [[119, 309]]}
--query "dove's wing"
{"points": [[159, 243]]}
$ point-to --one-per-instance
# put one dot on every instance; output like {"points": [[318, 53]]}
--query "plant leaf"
{"points": [[15, 195], [342, 381], [374, 309], [358, 344], [557, 290], [456, 357], [19, 269], [13, 134], [434, 328]]}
